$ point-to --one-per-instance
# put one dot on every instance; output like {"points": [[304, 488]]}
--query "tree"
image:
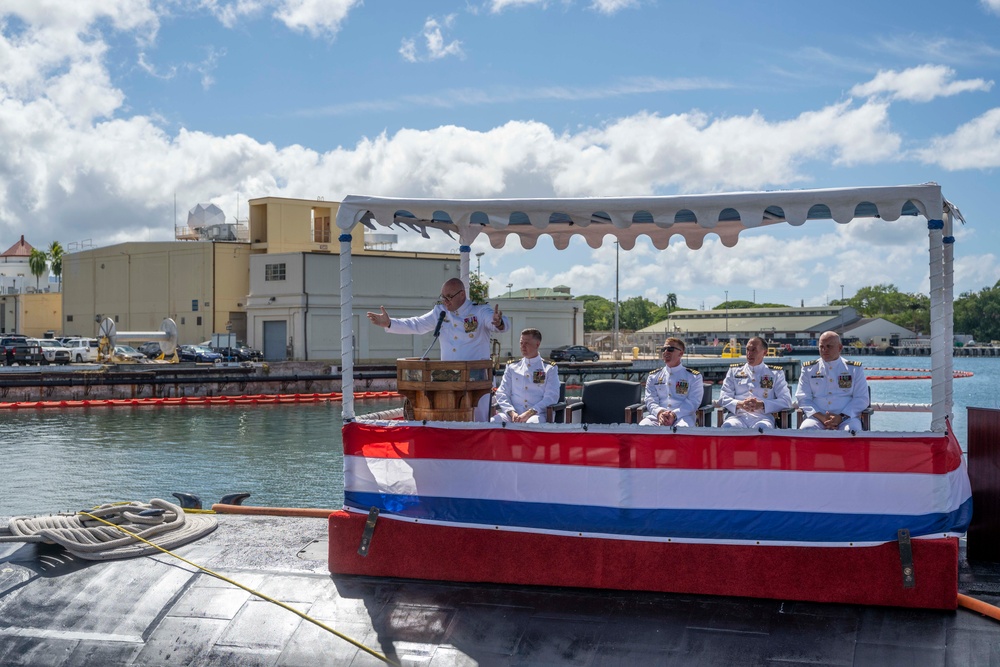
{"points": [[55, 255], [38, 262], [598, 313], [671, 303], [479, 291], [978, 314], [636, 313], [886, 301]]}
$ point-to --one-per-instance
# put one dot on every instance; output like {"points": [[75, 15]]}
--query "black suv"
{"points": [[17, 350]]}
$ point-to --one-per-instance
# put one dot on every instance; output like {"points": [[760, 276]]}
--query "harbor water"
{"points": [[284, 455]]}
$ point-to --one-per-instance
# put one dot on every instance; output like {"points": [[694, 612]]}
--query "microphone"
{"points": [[437, 332], [437, 329]]}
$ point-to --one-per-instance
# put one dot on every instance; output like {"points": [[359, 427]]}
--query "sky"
{"points": [[118, 116]]}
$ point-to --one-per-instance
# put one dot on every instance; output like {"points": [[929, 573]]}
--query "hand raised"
{"points": [[497, 315], [381, 319]]}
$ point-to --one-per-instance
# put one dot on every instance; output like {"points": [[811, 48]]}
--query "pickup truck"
{"points": [[18, 350]]}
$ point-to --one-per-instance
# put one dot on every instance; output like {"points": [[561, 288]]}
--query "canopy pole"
{"points": [[346, 327], [939, 389], [948, 241], [464, 266]]}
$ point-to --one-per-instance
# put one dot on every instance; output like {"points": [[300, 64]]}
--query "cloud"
{"points": [[612, 6], [992, 6], [974, 145], [601, 6], [434, 42], [468, 97], [919, 84], [319, 18]]}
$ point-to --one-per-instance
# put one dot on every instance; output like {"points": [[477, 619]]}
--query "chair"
{"points": [[556, 413], [703, 416], [607, 402], [865, 416]]}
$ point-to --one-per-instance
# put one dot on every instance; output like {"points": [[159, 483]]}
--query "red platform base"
{"points": [[856, 575]]}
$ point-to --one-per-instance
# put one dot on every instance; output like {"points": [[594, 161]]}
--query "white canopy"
{"points": [[692, 217]]}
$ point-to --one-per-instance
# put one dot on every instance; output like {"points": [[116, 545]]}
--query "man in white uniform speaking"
{"points": [[528, 386], [465, 328], [832, 392], [754, 390]]}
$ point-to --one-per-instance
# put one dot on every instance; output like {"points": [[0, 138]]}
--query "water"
{"points": [[285, 455]]}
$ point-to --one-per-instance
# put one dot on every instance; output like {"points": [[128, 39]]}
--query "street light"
{"points": [[509, 285], [479, 273], [727, 313]]}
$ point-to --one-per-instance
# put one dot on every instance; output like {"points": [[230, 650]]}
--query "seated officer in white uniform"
{"points": [[673, 393], [832, 392], [754, 390], [465, 331], [528, 386]]}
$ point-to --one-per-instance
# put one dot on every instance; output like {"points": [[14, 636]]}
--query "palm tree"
{"points": [[671, 303], [55, 259], [38, 262]]}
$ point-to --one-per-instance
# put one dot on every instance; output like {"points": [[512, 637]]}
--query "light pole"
{"points": [[841, 308], [727, 313], [479, 273], [509, 285], [616, 299]]}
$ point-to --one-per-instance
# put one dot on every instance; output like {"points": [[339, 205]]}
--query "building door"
{"points": [[275, 340], [238, 322]]}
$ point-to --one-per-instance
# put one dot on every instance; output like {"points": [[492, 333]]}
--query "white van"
{"points": [[82, 349]]}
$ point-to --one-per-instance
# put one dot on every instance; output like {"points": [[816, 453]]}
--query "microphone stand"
{"points": [[437, 332]]}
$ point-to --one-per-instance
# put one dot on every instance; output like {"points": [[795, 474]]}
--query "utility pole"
{"points": [[727, 313], [479, 272]]}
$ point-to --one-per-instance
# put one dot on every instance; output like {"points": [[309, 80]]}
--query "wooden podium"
{"points": [[443, 390]]}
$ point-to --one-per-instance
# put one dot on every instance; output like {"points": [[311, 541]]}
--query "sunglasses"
{"points": [[445, 297], [669, 348]]}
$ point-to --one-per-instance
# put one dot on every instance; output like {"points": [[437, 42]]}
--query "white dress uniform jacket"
{"points": [[763, 382], [677, 389], [838, 387], [529, 383], [465, 334]]}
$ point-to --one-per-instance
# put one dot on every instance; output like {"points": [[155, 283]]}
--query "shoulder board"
{"points": [[736, 365], [811, 363], [775, 368], [853, 363], [693, 371]]}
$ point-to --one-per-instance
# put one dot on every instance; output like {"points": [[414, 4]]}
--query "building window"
{"points": [[69, 318], [274, 271], [199, 320], [321, 229]]}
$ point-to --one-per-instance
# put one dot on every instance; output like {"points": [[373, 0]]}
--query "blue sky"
{"points": [[111, 108]]}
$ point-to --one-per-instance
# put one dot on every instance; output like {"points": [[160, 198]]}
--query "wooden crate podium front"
{"points": [[443, 390]]}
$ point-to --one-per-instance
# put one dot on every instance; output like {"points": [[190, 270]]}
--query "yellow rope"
{"points": [[298, 613]]}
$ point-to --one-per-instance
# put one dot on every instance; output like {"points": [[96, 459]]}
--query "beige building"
{"points": [[201, 285]]}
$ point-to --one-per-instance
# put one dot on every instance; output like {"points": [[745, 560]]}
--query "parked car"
{"points": [[127, 353], [53, 352], [239, 353], [82, 349], [15, 349], [574, 353], [198, 353], [151, 349]]}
